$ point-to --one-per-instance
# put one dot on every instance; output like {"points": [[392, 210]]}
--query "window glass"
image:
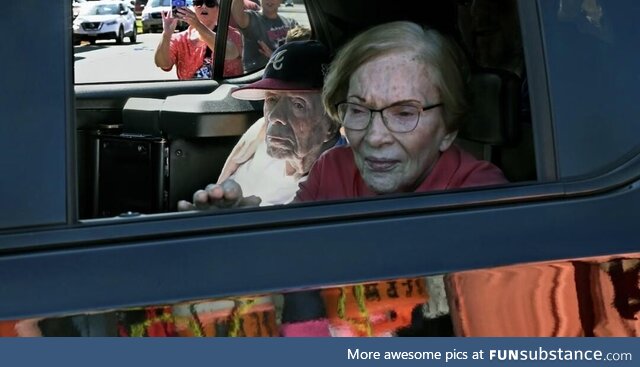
{"points": [[593, 79], [110, 47]]}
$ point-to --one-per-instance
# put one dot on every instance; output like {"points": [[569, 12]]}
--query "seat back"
{"points": [[493, 130]]}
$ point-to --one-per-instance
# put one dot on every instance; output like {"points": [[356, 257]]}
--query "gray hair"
{"points": [[441, 56]]}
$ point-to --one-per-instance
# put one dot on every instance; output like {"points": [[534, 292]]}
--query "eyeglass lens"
{"points": [[398, 118]]}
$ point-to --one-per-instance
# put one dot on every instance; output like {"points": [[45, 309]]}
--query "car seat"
{"points": [[493, 129]]}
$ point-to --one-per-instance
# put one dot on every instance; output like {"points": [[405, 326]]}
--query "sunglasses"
{"points": [[208, 3]]}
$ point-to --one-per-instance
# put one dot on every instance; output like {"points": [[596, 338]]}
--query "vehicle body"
{"points": [[152, 16], [100, 20], [76, 7], [64, 242]]}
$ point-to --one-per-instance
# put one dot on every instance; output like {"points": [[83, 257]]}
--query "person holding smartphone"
{"points": [[191, 50]]}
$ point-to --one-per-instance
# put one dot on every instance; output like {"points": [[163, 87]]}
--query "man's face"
{"points": [[296, 124]]}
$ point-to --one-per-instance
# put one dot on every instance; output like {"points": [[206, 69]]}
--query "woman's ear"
{"points": [[447, 140]]}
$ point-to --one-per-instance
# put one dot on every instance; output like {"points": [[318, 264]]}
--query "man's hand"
{"points": [[225, 195]]}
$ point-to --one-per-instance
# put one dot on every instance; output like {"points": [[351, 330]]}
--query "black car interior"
{"points": [[142, 149]]}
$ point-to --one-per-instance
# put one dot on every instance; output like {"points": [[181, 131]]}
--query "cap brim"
{"points": [[256, 91]]}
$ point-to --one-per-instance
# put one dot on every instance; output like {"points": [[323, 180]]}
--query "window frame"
{"points": [[97, 264]]}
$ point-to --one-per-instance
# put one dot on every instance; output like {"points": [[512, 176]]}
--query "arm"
{"points": [[237, 11], [162, 56], [207, 35]]}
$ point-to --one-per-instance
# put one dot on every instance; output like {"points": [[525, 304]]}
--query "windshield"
{"points": [[100, 9]]}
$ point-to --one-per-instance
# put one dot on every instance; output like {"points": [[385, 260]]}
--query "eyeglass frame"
{"points": [[204, 3], [384, 121]]}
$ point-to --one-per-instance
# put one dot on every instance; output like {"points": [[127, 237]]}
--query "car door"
{"points": [[571, 232]]}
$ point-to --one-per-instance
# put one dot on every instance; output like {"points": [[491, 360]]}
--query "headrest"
{"points": [[494, 108]]}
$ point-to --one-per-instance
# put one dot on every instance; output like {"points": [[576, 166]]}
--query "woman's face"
{"points": [[392, 162]]}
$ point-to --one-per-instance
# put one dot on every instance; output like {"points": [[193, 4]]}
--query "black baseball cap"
{"points": [[294, 66]]}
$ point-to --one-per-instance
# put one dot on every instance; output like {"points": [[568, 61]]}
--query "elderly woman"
{"points": [[400, 94]]}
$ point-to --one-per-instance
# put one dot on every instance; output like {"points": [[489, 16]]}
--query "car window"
{"points": [[101, 57]]}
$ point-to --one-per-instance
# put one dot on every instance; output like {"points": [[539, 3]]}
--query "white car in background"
{"points": [[152, 16], [99, 20]]}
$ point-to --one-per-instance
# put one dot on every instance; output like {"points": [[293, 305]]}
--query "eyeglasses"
{"points": [[397, 118], [208, 3]]}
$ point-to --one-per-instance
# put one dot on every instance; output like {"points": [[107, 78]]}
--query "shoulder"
{"points": [[470, 171], [289, 22], [340, 155], [181, 36]]}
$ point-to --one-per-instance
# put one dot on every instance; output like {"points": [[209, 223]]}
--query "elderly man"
{"points": [[277, 152], [265, 167]]}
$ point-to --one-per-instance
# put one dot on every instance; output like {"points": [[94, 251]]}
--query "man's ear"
{"points": [[447, 140]]}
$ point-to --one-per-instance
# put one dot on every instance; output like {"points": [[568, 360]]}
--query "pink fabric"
{"points": [[188, 55], [313, 328], [335, 175]]}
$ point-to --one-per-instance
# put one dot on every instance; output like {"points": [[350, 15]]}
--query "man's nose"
{"points": [[276, 112]]}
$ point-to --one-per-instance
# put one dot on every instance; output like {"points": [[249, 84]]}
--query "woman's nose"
{"points": [[377, 133]]}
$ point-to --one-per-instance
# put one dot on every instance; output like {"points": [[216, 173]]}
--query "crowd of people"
{"points": [[255, 31]]}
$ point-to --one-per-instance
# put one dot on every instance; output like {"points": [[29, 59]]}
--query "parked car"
{"points": [[92, 173], [76, 7], [152, 16], [100, 20]]}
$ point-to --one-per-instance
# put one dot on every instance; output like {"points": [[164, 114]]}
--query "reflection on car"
{"points": [[104, 20]]}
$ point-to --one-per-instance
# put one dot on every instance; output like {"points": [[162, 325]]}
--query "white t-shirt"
{"points": [[266, 177]]}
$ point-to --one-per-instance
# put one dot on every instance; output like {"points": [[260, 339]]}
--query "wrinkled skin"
{"points": [[391, 162]]}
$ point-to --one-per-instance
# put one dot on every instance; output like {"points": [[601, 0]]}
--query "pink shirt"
{"points": [[335, 175], [188, 55]]}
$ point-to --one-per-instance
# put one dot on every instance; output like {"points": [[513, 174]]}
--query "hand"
{"points": [[264, 49], [187, 15], [169, 23], [225, 195], [250, 5]]}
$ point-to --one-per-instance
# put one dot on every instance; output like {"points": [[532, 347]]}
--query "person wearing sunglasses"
{"points": [[191, 51], [263, 31]]}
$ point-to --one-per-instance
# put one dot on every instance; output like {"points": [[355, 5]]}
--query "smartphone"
{"points": [[177, 4]]}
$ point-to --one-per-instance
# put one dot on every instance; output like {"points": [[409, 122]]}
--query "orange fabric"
{"points": [[522, 300], [8, 328], [387, 307]]}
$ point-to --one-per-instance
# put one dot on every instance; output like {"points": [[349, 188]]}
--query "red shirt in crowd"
{"points": [[188, 54]]}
